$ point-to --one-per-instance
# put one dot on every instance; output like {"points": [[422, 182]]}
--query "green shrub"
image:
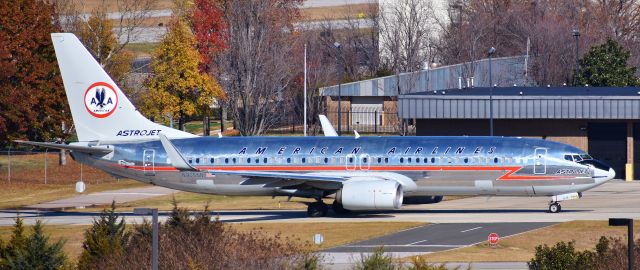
{"points": [[106, 236], [378, 260], [32, 252]]}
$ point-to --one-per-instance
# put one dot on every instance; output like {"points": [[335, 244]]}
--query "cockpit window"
{"points": [[577, 158], [586, 156], [568, 157]]}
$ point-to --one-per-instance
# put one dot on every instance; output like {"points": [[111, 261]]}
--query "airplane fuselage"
{"points": [[426, 166]]}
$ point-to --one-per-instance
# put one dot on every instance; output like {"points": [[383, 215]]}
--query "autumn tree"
{"points": [[178, 87], [98, 37], [606, 65], [32, 102], [257, 66], [209, 28]]}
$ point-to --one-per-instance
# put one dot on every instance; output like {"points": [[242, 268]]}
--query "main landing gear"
{"points": [[320, 209], [554, 207], [317, 209]]}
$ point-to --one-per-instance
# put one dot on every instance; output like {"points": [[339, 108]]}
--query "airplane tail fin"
{"points": [[100, 110]]}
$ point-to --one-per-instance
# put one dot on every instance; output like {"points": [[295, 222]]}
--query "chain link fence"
{"points": [[25, 166]]}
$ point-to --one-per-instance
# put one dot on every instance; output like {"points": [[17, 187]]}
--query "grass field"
{"points": [[26, 185], [522, 247]]}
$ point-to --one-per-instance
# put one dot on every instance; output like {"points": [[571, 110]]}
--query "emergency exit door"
{"points": [[540, 161], [148, 164]]}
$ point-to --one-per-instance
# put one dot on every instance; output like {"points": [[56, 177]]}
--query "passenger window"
{"points": [[417, 160], [190, 160], [265, 160], [433, 160], [212, 160], [401, 160], [379, 160], [466, 160], [496, 160], [386, 160], [304, 160], [426, 160], [234, 160], [288, 160], [248, 160], [408, 160], [197, 160], [350, 160], [226, 161], [326, 160]]}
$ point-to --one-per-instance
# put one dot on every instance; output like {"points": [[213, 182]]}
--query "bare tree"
{"points": [[128, 19], [405, 29], [257, 66]]}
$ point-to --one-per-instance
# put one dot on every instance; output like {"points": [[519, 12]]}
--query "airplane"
{"points": [[360, 173]]}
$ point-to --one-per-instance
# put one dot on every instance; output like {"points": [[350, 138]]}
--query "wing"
{"points": [[267, 178]]}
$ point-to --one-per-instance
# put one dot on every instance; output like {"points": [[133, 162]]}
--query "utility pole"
{"points": [[576, 34], [338, 46], [155, 248], [492, 50], [305, 90]]}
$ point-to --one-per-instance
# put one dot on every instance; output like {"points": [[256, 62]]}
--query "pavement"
{"points": [[613, 199], [103, 198]]}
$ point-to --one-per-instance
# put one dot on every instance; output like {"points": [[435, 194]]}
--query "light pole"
{"points": [[155, 252], [492, 50], [576, 34], [338, 46], [630, 248]]}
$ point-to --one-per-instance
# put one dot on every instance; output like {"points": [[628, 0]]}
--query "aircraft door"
{"points": [[148, 164], [540, 161]]}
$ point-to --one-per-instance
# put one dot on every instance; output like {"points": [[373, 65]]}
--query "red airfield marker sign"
{"points": [[493, 238]]}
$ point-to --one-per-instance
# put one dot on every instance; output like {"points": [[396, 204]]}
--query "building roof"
{"points": [[538, 91], [524, 103], [505, 70]]}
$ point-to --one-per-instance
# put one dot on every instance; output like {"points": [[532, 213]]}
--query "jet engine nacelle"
{"points": [[370, 195]]}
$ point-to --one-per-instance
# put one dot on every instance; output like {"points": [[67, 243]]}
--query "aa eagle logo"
{"points": [[100, 99]]}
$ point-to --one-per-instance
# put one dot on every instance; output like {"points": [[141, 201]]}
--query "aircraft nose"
{"points": [[602, 176]]}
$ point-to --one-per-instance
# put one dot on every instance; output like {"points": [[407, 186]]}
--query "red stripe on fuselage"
{"points": [[507, 176]]}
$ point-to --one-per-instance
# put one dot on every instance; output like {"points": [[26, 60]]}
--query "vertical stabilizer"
{"points": [[100, 110]]}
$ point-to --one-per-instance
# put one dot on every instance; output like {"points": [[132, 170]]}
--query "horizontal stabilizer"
{"points": [[177, 160], [78, 148]]}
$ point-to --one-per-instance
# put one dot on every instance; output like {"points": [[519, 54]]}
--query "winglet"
{"points": [[327, 128], [177, 160], [355, 132]]}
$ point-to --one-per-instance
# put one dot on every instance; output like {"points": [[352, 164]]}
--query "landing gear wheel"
{"points": [[317, 209], [338, 208], [555, 208]]}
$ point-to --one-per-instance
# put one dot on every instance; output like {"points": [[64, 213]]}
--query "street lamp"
{"points": [[576, 34], [338, 46], [154, 238], [629, 223], [492, 50]]}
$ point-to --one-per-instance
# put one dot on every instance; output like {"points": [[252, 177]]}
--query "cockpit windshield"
{"points": [[577, 157]]}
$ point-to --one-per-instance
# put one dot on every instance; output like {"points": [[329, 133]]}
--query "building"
{"points": [[604, 121], [370, 105]]}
